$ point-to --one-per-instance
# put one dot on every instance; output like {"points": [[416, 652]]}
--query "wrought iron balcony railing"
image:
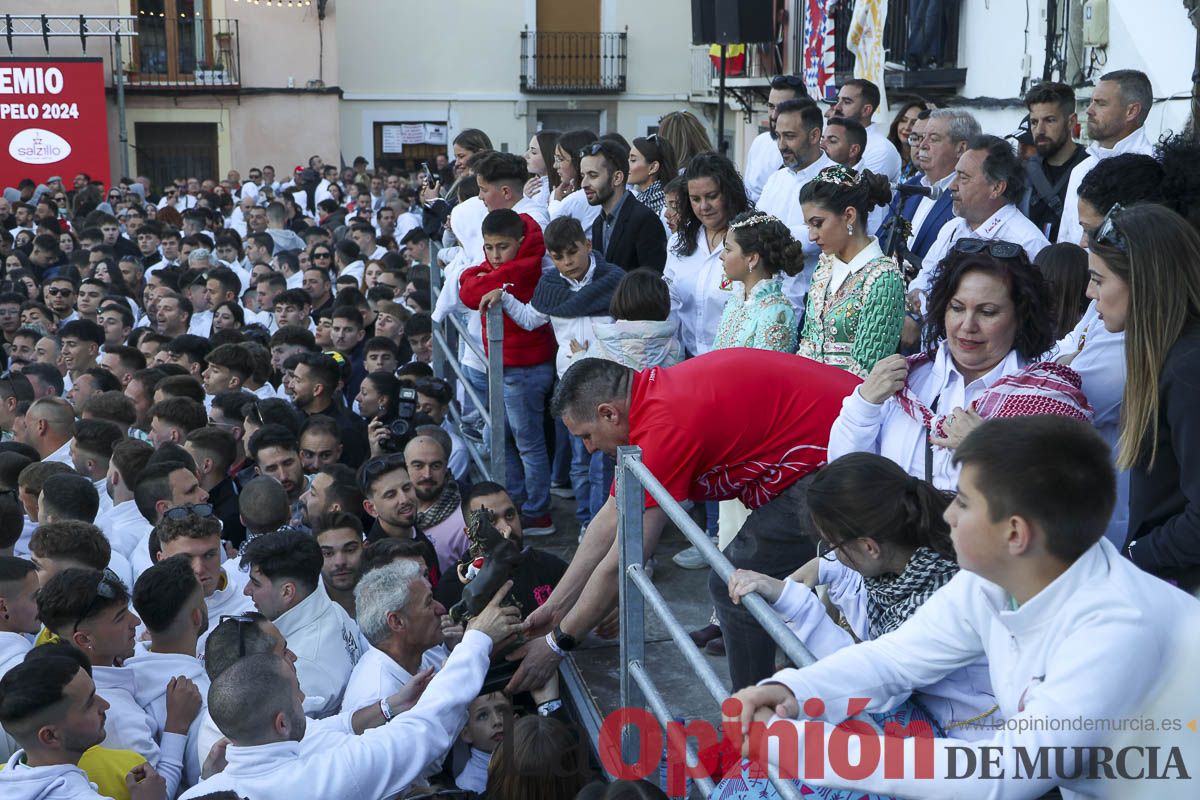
{"points": [[573, 63]]}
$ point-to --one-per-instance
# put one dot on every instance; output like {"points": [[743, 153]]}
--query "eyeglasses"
{"points": [[1108, 233], [241, 620], [190, 510], [60, 292], [788, 82], [994, 248], [109, 588], [915, 139], [829, 552]]}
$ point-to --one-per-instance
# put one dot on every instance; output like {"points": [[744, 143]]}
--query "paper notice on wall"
{"points": [[435, 133], [413, 132], [393, 138]]}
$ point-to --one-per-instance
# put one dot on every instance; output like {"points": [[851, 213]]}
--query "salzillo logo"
{"points": [[37, 146]]}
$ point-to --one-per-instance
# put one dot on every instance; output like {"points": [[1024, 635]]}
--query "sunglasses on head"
{"points": [[788, 82], [994, 248], [381, 465], [1107, 233], [592, 149], [241, 620], [189, 510], [109, 588]]}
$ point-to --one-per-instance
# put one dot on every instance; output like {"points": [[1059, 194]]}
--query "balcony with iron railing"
{"points": [[184, 54], [946, 77], [573, 63]]}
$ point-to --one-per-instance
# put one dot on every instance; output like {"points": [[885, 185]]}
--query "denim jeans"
{"points": [[479, 382], [925, 30], [528, 462], [771, 542], [581, 484], [600, 476]]}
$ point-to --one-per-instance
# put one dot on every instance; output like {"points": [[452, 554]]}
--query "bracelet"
{"points": [[385, 710], [549, 707], [554, 645]]}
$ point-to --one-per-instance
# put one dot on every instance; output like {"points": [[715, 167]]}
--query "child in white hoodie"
{"points": [[1072, 630], [483, 733]]}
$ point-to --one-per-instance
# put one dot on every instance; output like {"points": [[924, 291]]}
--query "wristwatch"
{"points": [[565, 641]]}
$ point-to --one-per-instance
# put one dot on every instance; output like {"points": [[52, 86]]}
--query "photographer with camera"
{"points": [[392, 408], [315, 390]]}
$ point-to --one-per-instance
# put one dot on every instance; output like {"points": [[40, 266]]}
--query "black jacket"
{"points": [[638, 239], [355, 447], [1164, 501], [533, 581], [224, 500], [378, 534]]}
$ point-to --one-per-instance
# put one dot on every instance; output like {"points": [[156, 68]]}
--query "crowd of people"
{"points": [[947, 375]]}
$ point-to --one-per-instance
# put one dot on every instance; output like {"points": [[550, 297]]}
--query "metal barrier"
{"points": [[445, 354], [637, 590]]}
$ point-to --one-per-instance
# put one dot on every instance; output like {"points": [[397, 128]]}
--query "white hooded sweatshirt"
{"points": [[327, 645], [380, 762], [59, 782], [153, 673], [129, 727]]}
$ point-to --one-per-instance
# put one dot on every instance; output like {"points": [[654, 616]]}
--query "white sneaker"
{"points": [[565, 492], [689, 559]]}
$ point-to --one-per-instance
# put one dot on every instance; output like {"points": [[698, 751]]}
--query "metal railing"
{"points": [[187, 52], [573, 63], [445, 354], [895, 35], [636, 591]]}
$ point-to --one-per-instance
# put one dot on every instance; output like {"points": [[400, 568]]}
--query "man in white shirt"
{"points": [[123, 525], [763, 158], [257, 704], [188, 532], [844, 141], [403, 625], [49, 428], [988, 180], [858, 99], [798, 132], [285, 585], [1116, 116], [1071, 630]]}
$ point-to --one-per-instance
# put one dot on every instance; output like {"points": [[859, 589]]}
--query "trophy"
{"points": [[492, 559]]}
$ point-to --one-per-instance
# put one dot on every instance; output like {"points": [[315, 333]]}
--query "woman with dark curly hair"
{"points": [[714, 195], [856, 300], [988, 324], [757, 248]]}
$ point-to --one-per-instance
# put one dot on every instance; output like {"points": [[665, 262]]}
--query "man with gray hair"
{"points": [[399, 618], [49, 429], [1116, 118], [988, 181], [258, 704]]}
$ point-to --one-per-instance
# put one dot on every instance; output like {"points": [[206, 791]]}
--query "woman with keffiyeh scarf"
{"points": [[884, 550]]}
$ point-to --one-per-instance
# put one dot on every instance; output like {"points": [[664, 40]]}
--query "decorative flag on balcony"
{"points": [[818, 47], [735, 58], [865, 41]]}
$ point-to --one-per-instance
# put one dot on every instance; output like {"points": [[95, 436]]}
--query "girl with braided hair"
{"points": [[855, 305], [758, 247]]}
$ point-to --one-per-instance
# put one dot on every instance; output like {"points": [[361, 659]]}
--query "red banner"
{"points": [[53, 120]]}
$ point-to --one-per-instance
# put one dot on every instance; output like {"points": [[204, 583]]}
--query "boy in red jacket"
{"points": [[513, 250]]}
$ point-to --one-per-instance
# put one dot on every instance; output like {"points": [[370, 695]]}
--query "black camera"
{"points": [[402, 428]]}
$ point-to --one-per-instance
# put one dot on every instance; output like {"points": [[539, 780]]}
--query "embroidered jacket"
{"points": [[858, 323], [765, 321]]}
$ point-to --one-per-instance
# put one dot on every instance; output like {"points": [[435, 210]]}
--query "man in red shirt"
{"points": [[741, 423]]}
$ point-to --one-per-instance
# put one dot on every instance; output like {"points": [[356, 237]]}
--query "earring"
{"points": [[849, 230]]}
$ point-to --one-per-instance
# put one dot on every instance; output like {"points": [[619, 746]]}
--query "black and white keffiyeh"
{"points": [[891, 599]]}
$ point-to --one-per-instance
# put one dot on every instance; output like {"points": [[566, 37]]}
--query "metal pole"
{"points": [[122, 131], [495, 338], [630, 508], [722, 145]]}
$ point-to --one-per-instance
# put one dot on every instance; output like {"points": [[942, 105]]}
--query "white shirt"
{"points": [[380, 762], [62, 455], [126, 528], [843, 270], [880, 155], [153, 672], [1101, 366], [327, 646], [230, 601], [1007, 224], [539, 212], [762, 161], [781, 198], [697, 295], [201, 324], [963, 694], [575, 205], [1069, 229], [1089, 646], [377, 675], [926, 206], [13, 647], [886, 430], [129, 727]]}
